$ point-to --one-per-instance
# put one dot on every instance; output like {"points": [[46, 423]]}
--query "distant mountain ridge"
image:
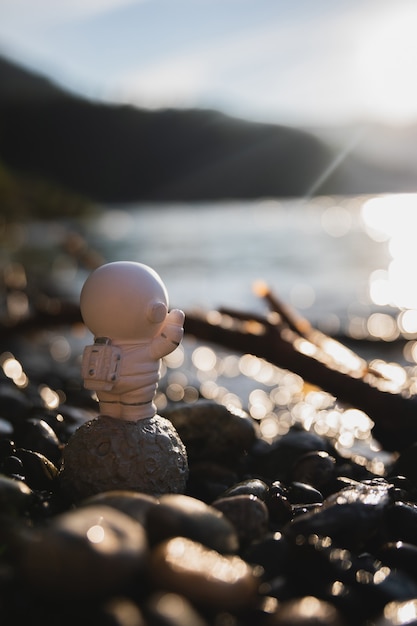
{"points": [[122, 153]]}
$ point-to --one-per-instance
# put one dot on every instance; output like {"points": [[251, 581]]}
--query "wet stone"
{"points": [[37, 435], [400, 522], [306, 611], [132, 503], [212, 432], [12, 466], [399, 555], [85, 552], [275, 461], [16, 498], [364, 584], [205, 577], [208, 480], [303, 493], [271, 553], [248, 514], [39, 472], [14, 405], [7, 448], [279, 507], [181, 515], [317, 468], [398, 614], [119, 611], [251, 486], [349, 517], [172, 609], [6, 428], [406, 464]]}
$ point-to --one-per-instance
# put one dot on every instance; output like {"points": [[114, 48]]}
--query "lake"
{"points": [[345, 263]]}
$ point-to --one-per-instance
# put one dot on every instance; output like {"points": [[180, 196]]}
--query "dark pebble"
{"points": [[317, 468], [208, 480], [37, 435], [248, 514], [251, 486], [348, 517], [406, 464], [212, 432], [172, 609], [272, 552], [204, 576], [189, 517], [279, 506], [399, 555], [398, 614], [306, 611], [14, 405], [132, 503], [275, 461], [16, 498], [400, 521], [303, 493], [85, 552], [39, 472]]}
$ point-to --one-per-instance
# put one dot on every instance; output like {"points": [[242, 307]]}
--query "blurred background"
{"points": [[221, 142]]}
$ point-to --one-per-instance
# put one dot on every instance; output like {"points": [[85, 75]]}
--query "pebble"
{"points": [[37, 435], [251, 486], [398, 614], [16, 497], [306, 611], [348, 517], [400, 522], [303, 493], [85, 552], [172, 609], [212, 432], [39, 472], [248, 514], [272, 552], [204, 576], [279, 507], [182, 515], [132, 503], [277, 460], [317, 468]]}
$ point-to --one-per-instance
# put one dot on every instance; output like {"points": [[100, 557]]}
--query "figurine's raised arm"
{"points": [[170, 335]]}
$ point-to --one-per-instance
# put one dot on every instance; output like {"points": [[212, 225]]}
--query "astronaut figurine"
{"points": [[128, 446]]}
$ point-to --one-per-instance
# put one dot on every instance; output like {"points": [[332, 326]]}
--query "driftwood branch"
{"points": [[291, 343]]}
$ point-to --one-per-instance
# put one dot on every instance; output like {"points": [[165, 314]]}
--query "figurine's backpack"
{"points": [[100, 365]]}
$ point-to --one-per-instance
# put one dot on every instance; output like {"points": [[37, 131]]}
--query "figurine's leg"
{"points": [[138, 404], [110, 404]]}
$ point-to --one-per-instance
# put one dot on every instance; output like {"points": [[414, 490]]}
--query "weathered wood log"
{"points": [[348, 378]]}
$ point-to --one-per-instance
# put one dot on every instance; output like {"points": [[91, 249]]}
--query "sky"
{"points": [[300, 62]]}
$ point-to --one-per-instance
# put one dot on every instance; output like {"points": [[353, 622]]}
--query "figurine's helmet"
{"points": [[124, 300]]}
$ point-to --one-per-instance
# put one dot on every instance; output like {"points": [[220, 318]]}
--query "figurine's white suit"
{"points": [[125, 305]]}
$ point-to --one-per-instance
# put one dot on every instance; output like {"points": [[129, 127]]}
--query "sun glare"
{"points": [[392, 219]]}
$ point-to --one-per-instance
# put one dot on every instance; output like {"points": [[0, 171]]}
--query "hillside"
{"points": [[115, 153]]}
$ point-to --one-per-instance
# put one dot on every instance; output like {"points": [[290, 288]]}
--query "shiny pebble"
{"points": [[248, 514], [182, 515], [203, 575], [85, 552]]}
